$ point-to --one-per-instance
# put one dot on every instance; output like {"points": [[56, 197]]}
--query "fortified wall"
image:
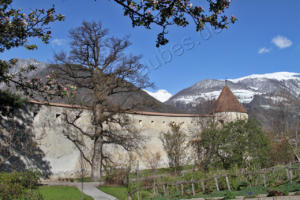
{"points": [[61, 159]]}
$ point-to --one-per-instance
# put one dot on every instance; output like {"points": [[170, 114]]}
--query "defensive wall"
{"points": [[60, 157]]}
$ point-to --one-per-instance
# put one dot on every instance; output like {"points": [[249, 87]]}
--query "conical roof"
{"points": [[227, 102]]}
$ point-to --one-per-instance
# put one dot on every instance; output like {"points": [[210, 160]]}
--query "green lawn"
{"points": [[121, 193], [117, 191], [61, 193]]}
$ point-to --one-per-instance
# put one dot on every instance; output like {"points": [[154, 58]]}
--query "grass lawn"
{"points": [[121, 193], [62, 193], [117, 191]]}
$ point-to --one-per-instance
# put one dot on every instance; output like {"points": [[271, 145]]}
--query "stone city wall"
{"points": [[62, 157]]}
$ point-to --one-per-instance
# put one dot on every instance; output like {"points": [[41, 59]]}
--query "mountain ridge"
{"points": [[245, 88], [137, 99], [260, 94]]}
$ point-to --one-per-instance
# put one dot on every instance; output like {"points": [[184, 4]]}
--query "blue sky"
{"points": [[265, 39]]}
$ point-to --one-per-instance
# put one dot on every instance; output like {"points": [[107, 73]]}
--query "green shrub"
{"points": [[242, 185], [143, 195], [286, 193], [33, 195], [229, 195], [9, 191], [29, 179], [117, 177], [26, 179], [18, 185]]}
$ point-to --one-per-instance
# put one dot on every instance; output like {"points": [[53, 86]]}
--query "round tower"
{"points": [[227, 108]]}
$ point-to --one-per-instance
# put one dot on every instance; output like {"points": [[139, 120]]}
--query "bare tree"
{"points": [[98, 64], [204, 107], [152, 159], [285, 124], [174, 143]]}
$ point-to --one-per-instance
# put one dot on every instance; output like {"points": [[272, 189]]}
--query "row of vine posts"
{"points": [[155, 188]]}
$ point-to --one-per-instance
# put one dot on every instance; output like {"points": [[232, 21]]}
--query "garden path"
{"points": [[89, 188]]}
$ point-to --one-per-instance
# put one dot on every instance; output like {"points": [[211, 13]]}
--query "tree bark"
{"points": [[96, 161], [98, 144]]}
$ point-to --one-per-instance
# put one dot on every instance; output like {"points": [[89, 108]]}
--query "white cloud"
{"points": [[58, 42], [161, 95], [282, 42], [264, 50]]}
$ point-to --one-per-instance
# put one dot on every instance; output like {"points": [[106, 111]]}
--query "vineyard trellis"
{"points": [[285, 172]]}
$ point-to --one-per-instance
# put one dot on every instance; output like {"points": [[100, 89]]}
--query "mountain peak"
{"points": [[161, 95], [244, 88], [280, 76]]}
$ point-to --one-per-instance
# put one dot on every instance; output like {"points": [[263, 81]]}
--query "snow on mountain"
{"points": [[280, 76], [193, 98], [245, 88], [161, 95]]}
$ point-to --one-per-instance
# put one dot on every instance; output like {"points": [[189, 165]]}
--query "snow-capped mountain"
{"points": [[161, 95], [245, 88]]}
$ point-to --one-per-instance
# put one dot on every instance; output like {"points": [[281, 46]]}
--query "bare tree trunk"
{"points": [[98, 144], [96, 161]]}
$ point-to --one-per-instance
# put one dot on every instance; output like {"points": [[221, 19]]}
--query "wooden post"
{"points": [[154, 188], [181, 185], [291, 175], [250, 178], [193, 189], [216, 182], [164, 189], [167, 193], [265, 181], [138, 195], [287, 174], [203, 186], [129, 197], [227, 183]]}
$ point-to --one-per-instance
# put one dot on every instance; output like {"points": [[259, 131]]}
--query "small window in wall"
{"points": [[57, 115], [152, 122], [140, 121]]}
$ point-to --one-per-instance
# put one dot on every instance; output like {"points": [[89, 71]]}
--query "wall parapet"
{"points": [[129, 112]]}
